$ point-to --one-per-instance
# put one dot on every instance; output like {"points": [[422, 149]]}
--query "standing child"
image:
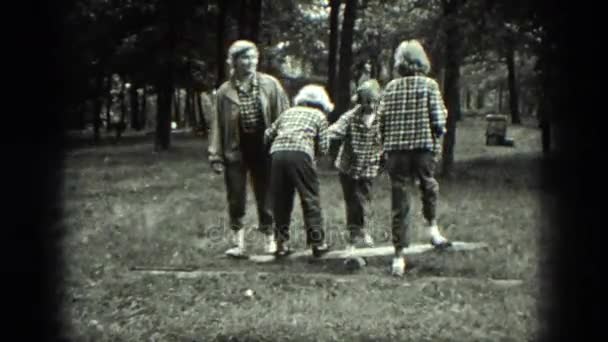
{"points": [[358, 159], [412, 118], [297, 138]]}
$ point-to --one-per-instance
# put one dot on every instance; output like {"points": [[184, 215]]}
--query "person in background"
{"points": [[296, 139], [248, 103], [412, 118]]}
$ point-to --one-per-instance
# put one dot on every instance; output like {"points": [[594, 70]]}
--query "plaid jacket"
{"points": [[412, 114], [361, 150], [249, 106], [299, 129]]}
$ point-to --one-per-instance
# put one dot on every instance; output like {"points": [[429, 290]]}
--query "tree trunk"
{"points": [[481, 98], [134, 102], [98, 103], [250, 13], [221, 43], [123, 105], [144, 107], [513, 93], [333, 47], [109, 101], [452, 82], [202, 121], [346, 59], [500, 96], [468, 98], [191, 107], [165, 87], [177, 107], [163, 118]]}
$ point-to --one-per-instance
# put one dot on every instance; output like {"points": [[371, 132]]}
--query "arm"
{"points": [[339, 129], [216, 153], [281, 100], [438, 112], [322, 137], [271, 133]]}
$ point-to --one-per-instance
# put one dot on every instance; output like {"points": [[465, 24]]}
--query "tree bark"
{"points": [[333, 47], [221, 43], [513, 93], [108, 101], [165, 83], [452, 82], [123, 105], [98, 102], [144, 107], [346, 59], [500, 97], [177, 107], [135, 113]]}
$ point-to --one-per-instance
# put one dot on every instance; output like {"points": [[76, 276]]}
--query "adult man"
{"points": [[247, 103], [412, 120]]}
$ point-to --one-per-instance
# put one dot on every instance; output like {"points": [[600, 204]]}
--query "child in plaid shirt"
{"points": [[297, 138], [412, 120], [358, 159]]}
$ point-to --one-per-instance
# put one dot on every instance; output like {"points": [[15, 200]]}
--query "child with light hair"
{"points": [[358, 159], [296, 139], [412, 120]]}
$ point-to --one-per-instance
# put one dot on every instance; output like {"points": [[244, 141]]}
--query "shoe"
{"points": [[398, 266], [368, 241], [441, 243], [238, 250], [282, 250], [350, 248], [437, 239], [270, 244], [319, 251], [353, 264]]}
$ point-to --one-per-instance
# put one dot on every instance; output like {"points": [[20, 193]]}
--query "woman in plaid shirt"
{"points": [[297, 138], [412, 120], [358, 159]]}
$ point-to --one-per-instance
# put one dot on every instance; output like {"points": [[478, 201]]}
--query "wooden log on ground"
{"points": [[372, 252]]}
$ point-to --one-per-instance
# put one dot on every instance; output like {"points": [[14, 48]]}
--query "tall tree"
{"points": [[346, 58], [453, 60], [513, 88], [334, 12], [135, 112], [165, 79], [250, 13], [221, 43]]}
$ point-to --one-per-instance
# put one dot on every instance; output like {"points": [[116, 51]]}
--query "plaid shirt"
{"points": [[299, 129], [412, 114], [250, 112], [361, 150]]}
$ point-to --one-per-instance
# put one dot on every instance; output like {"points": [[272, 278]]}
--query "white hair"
{"points": [[411, 57], [314, 94]]}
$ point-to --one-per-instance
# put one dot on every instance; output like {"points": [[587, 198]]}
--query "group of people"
{"points": [[258, 131]]}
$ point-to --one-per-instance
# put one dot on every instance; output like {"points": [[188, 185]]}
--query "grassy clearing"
{"points": [[127, 206]]}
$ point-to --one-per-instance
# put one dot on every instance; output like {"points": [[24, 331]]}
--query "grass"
{"points": [[126, 206]]}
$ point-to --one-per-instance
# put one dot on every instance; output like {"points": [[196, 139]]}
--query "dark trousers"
{"points": [[357, 199], [255, 162], [291, 171], [400, 166]]}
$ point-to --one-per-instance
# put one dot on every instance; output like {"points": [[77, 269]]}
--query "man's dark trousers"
{"points": [[255, 161]]}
